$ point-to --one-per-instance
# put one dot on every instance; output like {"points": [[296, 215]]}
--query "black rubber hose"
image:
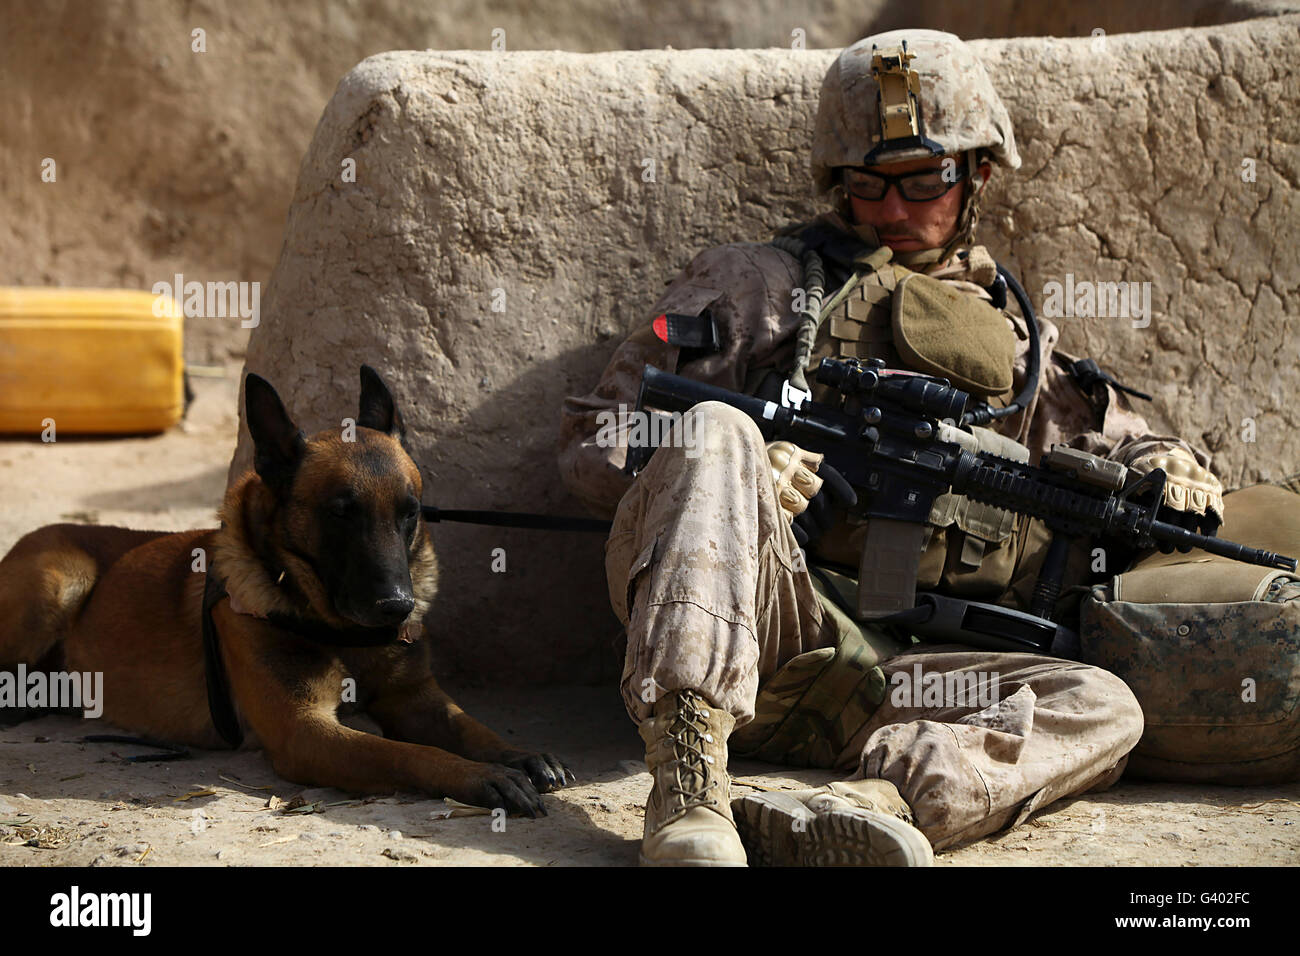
{"points": [[985, 414]]}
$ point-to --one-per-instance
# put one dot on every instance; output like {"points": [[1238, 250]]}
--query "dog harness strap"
{"points": [[220, 708]]}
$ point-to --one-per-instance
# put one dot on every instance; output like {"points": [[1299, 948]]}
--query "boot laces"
{"points": [[692, 765]]}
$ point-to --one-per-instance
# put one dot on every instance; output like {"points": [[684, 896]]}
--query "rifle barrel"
{"points": [[1172, 534], [1026, 489]]}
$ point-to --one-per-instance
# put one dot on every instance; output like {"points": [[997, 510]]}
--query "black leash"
{"points": [[517, 519], [220, 705]]}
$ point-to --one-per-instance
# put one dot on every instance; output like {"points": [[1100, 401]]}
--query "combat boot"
{"points": [[688, 816], [846, 823]]}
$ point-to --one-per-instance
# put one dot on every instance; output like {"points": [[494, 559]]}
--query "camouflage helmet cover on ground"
{"points": [[960, 109]]}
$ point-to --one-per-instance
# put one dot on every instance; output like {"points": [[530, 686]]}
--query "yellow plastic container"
{"points": [[93, 360]]}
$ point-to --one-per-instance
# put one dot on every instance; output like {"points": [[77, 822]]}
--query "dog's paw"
{"points": [[545, 771], [507, 788]]}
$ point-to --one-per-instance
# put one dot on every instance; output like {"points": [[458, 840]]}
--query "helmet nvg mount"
{"points": [[907, 94], [902, 127]]}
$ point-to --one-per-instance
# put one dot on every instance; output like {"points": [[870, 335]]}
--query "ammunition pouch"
{"points": [[940, 330], [972, 549]]}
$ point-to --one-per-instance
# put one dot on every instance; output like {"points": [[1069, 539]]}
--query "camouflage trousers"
{"points": [[703, 570]]}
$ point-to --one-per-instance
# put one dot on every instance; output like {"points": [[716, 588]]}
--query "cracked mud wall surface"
{"points": [[521, 181], [170, 160]]}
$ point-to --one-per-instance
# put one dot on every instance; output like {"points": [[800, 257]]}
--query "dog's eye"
{"points": [[340, 507], [408, 517]]}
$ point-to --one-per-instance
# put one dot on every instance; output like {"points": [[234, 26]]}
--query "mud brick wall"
{"points": [[513, 214]]}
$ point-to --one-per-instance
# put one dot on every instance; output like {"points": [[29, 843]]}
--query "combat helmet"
{"points": [[910, 94]]}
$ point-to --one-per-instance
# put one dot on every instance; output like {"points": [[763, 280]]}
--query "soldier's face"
{"points": [[909, 226]]}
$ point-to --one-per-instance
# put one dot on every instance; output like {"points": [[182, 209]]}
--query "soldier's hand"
{"points": [[809, 498], [793, 474], [1193, 497], [820, 514]]}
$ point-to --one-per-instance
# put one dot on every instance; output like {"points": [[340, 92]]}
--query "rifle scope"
{"points": [[921, 394]]}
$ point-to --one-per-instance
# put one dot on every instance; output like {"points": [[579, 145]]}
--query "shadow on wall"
{"points": [[516, 644], [505, 594], [396, 271]]}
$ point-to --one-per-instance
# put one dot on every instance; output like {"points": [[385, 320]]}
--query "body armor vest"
{"points": [[917, 322], [971, 550], [860, 325]]}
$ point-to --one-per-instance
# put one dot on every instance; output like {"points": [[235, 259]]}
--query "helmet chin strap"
{"points": [[970, 212]]}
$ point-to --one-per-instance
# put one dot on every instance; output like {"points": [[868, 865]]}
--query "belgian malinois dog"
{"points": [[309, 598]]}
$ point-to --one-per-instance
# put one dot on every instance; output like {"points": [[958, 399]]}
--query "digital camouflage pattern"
{"points": [[1211, 648], [1232, 719], [748, 289], [704, 571], [810, 713], [960, 108], [700, 565], [702, 568], [1055, 729]]}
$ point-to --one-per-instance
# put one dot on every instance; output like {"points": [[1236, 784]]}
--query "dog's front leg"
{"points": [[422, 712], [288, 692], [315, 748]]}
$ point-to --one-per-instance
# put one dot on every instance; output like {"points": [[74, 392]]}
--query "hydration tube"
{"points": [[983, 414]]}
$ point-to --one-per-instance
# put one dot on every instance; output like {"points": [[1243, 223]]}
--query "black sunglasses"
{"points": [[922, 186]]}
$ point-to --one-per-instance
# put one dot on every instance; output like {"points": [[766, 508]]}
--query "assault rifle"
{"points": [[884, 436]]}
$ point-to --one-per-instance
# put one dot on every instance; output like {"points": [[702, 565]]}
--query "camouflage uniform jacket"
{"points": [[748, 290]]}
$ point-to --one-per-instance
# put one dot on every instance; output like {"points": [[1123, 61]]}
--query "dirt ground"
{"points": [[65, 802]]}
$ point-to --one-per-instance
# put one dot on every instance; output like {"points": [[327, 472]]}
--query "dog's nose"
{"points": [[394, 610]]}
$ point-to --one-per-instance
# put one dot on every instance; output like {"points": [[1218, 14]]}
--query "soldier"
{"points": [[735, 642]]}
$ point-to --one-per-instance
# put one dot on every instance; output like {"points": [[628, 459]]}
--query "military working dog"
{"points": [[311, 596]]}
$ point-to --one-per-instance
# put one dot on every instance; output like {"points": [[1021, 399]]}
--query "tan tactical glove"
{"points": [[812, 501], [792, 472], [1189, 486], [1191, 492]]}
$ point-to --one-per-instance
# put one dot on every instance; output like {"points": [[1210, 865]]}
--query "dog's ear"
{"points": [[278, 444], [378, 410]]}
